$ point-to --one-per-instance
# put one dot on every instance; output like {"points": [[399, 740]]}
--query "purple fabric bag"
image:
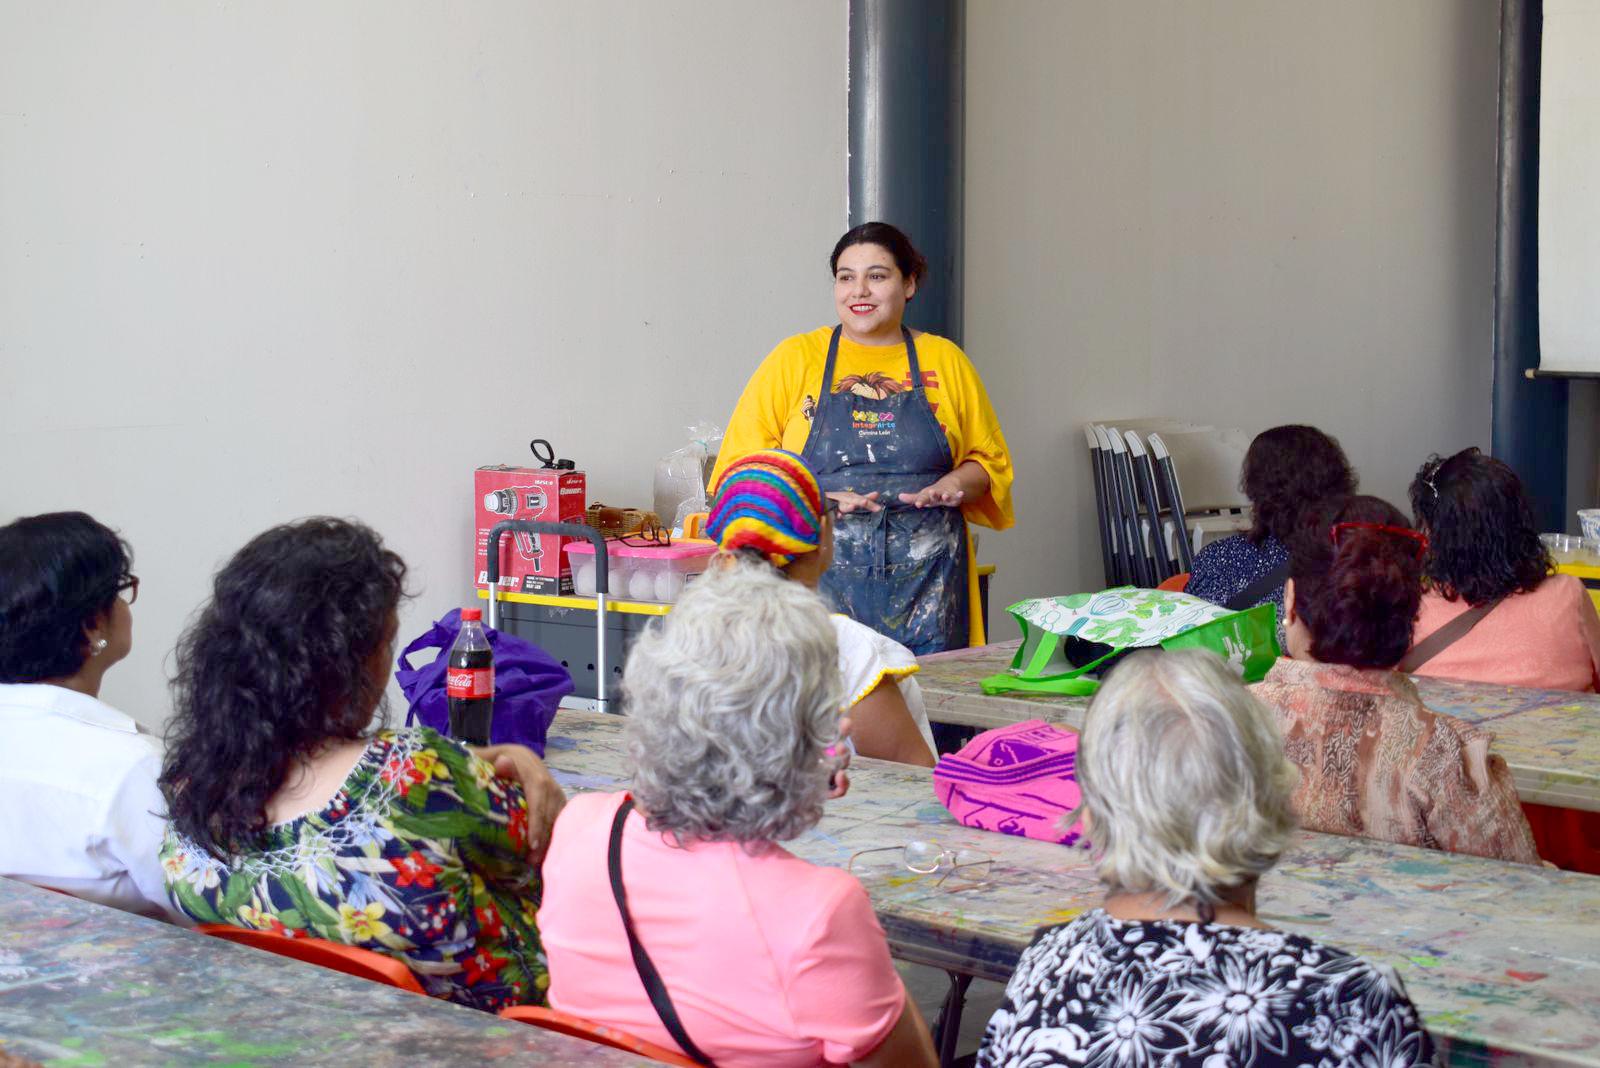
{"points": [[1019, 780], [528, 684]]}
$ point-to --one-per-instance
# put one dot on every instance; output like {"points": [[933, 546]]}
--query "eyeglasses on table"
{"points": [[926, 857]]}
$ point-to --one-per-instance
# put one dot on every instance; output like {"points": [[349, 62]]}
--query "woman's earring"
{"points": [[99, 646]]}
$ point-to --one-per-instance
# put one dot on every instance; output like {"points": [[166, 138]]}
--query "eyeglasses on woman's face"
{"points": [[128, 589]]}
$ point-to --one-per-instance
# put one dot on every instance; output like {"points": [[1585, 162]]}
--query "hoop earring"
{"points": [[99, 646]]}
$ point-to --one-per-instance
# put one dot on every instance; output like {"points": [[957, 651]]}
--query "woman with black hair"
{"points": [[289, 816], [1287, 470], [902, 437], [1374, 762], [78, 791], [1491, 609]]}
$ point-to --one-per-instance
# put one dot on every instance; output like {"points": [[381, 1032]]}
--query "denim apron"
{"points": [[901, 571]]}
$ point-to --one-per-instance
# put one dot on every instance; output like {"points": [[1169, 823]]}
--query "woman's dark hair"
{"points": [[1483, 538], [906, 257], [59, 573], [290, 652], [1287, 470], [1359, 597]]}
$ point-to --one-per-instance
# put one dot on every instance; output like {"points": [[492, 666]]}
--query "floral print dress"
{"points": [[421, 855], [1128, 994]]}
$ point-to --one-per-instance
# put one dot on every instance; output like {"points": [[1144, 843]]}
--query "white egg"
{"points": [[669, 586], [583, 580], [641, 586]]}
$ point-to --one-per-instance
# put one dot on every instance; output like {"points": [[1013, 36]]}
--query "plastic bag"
{"points": [[682, 475], [528, 684]]}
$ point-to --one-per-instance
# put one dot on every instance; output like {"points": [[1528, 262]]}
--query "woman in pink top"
{"points": [[1484, 549], [765, 959]]}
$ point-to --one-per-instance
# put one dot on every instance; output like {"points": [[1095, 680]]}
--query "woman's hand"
{"points": [[855, 502], [544, 795], [838, 760], [945, 493], [969, 481]]}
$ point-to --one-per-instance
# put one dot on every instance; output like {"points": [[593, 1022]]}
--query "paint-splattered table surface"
{"points": [[85, 985], [1501, 958], [1549, 738]]}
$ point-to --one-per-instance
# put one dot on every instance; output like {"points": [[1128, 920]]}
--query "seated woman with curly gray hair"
{"points": [[1186, 796], [759, 957]]}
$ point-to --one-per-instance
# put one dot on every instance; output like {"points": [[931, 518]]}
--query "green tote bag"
{"points": [[1067, 641]]}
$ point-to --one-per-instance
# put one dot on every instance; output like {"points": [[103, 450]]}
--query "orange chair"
{"points": [[1567, 838], [351, 960], [1176, 582], [567, 1024]]}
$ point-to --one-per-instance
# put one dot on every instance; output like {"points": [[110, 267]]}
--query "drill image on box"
{"points": [[529, 563], [519, 502]]}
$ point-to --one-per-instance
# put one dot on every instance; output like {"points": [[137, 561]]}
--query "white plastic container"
{"points": [[655, 573], [1589, 522]]}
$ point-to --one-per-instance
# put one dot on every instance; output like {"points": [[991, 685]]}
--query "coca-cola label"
{"points": [[467, 683]]}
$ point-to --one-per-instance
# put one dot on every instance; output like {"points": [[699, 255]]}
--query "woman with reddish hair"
{"points": [[1374, 762]]}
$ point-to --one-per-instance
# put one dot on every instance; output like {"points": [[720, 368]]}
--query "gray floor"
{"points": [[929, 985]]}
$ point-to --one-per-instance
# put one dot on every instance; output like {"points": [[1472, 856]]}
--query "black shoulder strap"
{"points": [[641, 960], [1444, 637], [1258, 590]]}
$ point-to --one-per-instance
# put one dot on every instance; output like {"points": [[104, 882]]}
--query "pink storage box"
{"points": [[641, 572]]}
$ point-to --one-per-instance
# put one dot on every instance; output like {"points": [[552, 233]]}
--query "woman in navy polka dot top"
{"points": [[1286, 470]]}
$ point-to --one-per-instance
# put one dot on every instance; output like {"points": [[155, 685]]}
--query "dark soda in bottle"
{"points": [[470, 681]]}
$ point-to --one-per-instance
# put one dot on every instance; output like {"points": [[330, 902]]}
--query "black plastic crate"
{"points": [[568, 635]]}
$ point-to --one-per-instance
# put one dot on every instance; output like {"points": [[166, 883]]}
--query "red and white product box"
{"points": [[529, 563]]}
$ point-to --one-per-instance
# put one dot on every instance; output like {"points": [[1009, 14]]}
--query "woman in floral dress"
{"points": [[287, 816], [1186, 795]]}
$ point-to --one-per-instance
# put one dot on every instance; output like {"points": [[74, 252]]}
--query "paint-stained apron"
{"points": [[901, 571]]}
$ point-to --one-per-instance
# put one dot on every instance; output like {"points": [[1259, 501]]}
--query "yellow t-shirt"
{"points": [[775, 410]]}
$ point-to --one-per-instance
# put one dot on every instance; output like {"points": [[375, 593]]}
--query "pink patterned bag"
{"points": [[1015, 780]]}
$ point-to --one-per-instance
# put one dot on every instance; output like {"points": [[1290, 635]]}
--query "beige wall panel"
{"points": [[259, 261], [1244, 213]]}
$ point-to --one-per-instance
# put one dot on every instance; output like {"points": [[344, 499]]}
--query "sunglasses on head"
{"points": [[1341, 529]]}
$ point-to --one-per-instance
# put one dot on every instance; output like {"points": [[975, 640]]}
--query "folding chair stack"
{"points": [[1147, 534]]}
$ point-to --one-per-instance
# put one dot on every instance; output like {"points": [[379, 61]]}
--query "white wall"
{"points": [[259, 261], [1248, 214]]}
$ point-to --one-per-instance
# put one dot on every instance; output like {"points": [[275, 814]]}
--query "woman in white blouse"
{"points": [[78, 793], [768, 504]]}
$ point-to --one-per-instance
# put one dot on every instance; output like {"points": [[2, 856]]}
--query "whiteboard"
{"points": [[1569, 187]]}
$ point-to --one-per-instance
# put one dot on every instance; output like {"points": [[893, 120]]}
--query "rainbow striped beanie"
{"points": [[769, 501]]}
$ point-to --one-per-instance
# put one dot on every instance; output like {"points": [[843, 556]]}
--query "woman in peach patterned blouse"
{"points": [[1374, 761]]}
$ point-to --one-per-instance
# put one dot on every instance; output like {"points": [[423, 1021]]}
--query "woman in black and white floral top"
{"points": [[1186, 795]]}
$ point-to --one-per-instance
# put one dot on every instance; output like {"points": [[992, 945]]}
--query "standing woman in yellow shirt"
{"points": [[902, 437]]}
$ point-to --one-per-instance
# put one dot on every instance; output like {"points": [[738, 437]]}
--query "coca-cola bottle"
{"points": [[470, 681]]}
